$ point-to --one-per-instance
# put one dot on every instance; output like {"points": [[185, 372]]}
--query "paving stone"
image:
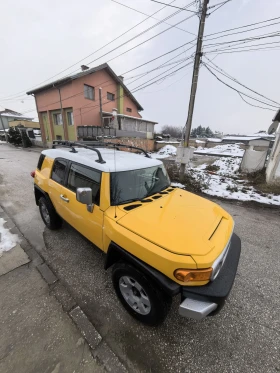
{"points": [[12, 259], [87, 329]]}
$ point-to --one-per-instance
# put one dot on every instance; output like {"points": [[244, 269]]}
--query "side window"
{"points": [[41, 161], [84, 177], [58, 171]]}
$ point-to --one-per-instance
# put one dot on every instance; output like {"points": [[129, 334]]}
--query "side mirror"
{"points": [[84, 196]]}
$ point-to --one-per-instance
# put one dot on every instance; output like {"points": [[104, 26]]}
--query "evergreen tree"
{"points": [[194, 132], [14, 136], [202, 132]]}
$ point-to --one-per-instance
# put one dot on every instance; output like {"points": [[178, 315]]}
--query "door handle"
{"points": [[64, 198]]}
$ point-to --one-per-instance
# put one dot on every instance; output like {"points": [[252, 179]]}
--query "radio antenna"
{"points": [[115, 172]]}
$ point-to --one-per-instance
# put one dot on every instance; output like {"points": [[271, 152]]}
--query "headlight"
{"points": [[188, 275]]}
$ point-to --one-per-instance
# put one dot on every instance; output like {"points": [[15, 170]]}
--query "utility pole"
{"points": [[6, 136], [101, 116], [196, 66]]}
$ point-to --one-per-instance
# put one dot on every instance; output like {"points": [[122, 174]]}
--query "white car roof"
{"points": [[116, 160]]}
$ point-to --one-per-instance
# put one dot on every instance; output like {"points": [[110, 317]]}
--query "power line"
{"points": [[160, 74], [173, 14], [109, 80], [260, 107], [159, 2], [239, 27], [234, 48], [221, 71], [236, 90], [145, 41], [138, 11], [219, 6], [246, 40], [135, 89], [240, 32], [165, 64], [228, 51]]}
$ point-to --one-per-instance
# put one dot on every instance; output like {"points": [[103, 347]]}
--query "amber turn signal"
{"points": [[187, 275]]}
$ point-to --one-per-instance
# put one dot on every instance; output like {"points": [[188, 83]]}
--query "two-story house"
{"points": [[73, 101]]}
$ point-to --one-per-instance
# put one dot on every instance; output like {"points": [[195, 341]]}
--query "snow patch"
{"points": [[178, 185], [226, 184], [165, 152], [226, 149], [8, 240]]}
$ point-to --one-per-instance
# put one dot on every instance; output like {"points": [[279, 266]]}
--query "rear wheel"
{"points": [[139, 296], [51, 219]]}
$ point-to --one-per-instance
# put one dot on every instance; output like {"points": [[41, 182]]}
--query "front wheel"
{"points": [[139, 296], [50, 217]]}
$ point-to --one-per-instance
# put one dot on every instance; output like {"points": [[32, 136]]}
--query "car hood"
{"points": [[179, 222]]}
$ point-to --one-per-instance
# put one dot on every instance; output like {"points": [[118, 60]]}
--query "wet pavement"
{"points": [[244, 337]]}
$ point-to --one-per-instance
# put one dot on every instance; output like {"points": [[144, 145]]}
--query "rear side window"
{"points": [[84, 177], [59, 170], [40, 162]]}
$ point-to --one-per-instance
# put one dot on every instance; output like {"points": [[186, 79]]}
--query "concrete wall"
{"points": [[130, 124], [145, 144], [273, 167], [253, 160]]}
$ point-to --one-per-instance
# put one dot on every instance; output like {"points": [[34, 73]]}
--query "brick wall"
{"points": [[145, 144]]}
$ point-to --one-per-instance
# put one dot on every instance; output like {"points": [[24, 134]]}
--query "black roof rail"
{"points": [[71, 144], [113, 145]]}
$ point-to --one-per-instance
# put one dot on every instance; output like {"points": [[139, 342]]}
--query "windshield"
{"points": [[128, 186]]}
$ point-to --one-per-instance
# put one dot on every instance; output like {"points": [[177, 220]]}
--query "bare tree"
{"points": [[172, 131]]}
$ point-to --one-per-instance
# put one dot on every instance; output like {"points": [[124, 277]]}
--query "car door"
{"points": [[57, 179], [89, 224]]}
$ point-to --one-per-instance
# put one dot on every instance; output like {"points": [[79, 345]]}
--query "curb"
{"points": [[99, 348]]}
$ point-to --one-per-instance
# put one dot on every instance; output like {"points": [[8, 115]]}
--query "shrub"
{"points": [[212, 168], [194, 184]]}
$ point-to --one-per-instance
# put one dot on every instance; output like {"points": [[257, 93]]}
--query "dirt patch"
{"points": [[258, 181]]}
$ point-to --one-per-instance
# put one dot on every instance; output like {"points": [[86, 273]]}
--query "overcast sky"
{"points": [[39, 39]]}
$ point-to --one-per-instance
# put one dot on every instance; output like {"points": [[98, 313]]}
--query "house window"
{"points": [[70, 118], [128, 109], [89, 92], [57, 118], [110, 96]]}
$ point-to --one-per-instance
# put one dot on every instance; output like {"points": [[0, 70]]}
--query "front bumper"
{"points": [[201, 301]]}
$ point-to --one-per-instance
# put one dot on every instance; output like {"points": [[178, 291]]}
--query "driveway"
{"points": [[244, 337]]}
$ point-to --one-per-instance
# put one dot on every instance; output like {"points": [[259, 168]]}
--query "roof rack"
{"points": [[113, 145], [70, 144]]}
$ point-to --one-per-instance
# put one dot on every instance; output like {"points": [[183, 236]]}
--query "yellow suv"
{"points": [[162, 241]]}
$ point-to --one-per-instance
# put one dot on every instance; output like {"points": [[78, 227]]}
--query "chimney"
{"points": [[121, 77], [84, 67]]}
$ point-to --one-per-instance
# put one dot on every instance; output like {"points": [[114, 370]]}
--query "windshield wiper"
{"points": [[129, 201], [151, 193]]}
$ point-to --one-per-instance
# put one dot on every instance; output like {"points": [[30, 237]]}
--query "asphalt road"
{"points": [[244, 337]]}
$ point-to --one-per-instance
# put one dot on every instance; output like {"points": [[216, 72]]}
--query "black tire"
{"points": [[54, 221], [159, 302]]}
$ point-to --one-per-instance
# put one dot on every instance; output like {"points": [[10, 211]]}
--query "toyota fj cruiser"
{"points": [[161, 240]]}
